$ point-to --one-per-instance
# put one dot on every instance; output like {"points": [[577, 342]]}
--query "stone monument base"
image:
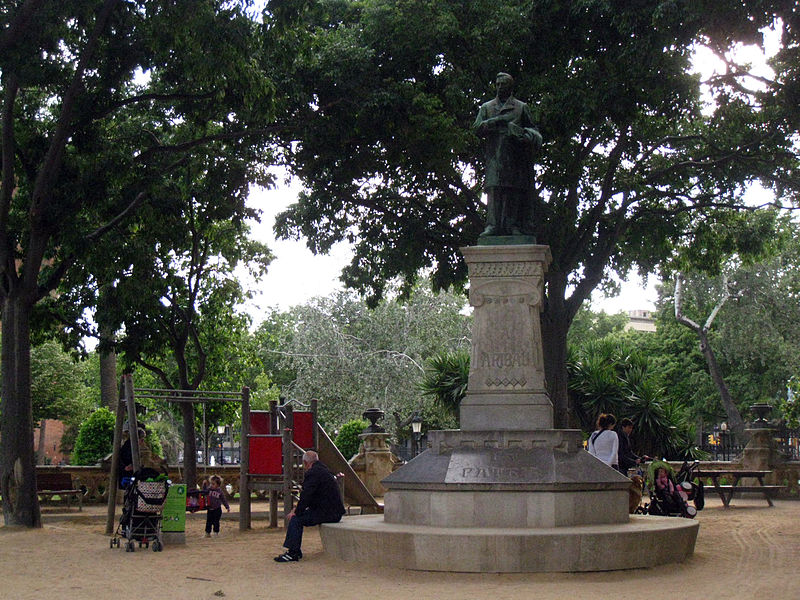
{"points": [[505, 502], [645, 541]]}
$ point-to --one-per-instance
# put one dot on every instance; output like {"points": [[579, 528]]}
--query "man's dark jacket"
{"points": [[320, 495], [627, 459]]}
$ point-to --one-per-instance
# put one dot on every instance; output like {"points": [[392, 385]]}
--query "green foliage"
{"points": [[347, 441], [95, 438], [610, 375], [637, 160], [790, 407], [445, 378], [589, 325], [105, 105], [352, 357], [58, 389]]}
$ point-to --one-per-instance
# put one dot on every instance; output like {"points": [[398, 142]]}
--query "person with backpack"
{"points": [[604, 443]]}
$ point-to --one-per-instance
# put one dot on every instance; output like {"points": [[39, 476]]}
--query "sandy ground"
{"points": [[746, 551]]}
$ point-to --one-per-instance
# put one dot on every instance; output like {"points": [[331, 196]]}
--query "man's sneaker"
{"points": [[208, 535], [286, 557]]}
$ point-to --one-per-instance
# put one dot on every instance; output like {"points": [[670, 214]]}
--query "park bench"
{"points": [[59, 484], [726, 492]]}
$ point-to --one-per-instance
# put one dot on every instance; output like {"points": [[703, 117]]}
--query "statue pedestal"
{"points": [[506, 389], [507, 492], [760, 454], [374, 462]]}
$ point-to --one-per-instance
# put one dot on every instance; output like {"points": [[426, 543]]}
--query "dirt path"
{"points": [[746, 551]]}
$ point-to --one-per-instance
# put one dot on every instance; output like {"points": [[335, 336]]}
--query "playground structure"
{"points": [[272, 445]]}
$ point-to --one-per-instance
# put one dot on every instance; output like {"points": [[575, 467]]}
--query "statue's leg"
{"points": [[491, 214]]}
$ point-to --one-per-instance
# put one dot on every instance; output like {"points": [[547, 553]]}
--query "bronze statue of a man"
{"points": [[510, 137]]}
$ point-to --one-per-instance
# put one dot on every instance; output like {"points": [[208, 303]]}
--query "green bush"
{"points": [[95, 438], [348, 441]]}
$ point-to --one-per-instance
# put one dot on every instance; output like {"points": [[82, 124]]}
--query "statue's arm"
{"points": [[480, 124], [532, 134]]}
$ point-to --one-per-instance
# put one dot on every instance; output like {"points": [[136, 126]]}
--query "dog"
{"points": [[635, 493]]}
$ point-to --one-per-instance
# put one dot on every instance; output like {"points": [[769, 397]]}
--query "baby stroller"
{"points": [[694, 489], [666, 501], [145, 495]]}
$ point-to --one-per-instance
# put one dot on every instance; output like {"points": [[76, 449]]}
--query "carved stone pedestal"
{"points": [[507, 492], [506, 389], [374, 462]]}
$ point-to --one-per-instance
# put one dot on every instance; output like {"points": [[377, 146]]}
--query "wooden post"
{"points": [[273, 494], [288, 473], [244, 463], [114, 475], [273, 417], [315, 429], [133, 424]]}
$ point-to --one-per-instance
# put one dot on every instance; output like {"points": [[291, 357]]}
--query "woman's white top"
{"points": [[605, 445]]}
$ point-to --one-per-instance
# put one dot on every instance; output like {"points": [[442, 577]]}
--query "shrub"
{"points": [[95, 438], [348, 441]]}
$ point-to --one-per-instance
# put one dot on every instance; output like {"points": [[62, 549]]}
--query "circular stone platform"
{"points": [[646, 541]]}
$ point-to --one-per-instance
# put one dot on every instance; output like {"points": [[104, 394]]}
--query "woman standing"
{"points": [[604, 443]]}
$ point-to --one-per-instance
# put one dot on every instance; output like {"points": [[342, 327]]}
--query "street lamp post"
{"points": [[221, 443], [416, 429], [723, 431]]}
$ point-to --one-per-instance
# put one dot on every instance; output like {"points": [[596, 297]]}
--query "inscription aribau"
{"points": [[501, 360]]}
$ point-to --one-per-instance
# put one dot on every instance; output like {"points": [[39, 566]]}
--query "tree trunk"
{"points": [[109, 392], [554, 348], [17, 460], [189, 446], [556, 320], [735, 420]]}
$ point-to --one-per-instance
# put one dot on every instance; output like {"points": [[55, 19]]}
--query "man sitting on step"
{"points": [[320, 502]]}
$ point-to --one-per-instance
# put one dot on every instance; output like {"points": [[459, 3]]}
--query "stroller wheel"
{"points": [[156, 546], [130, 547]]}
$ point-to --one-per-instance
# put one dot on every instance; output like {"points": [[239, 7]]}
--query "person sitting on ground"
{"points": [[320, 502], [604, 443]]}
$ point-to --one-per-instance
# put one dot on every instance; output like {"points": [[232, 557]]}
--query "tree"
{"points": [[57, 389], [734, 418], [610, 375], [445, 379], [177, 306], [347, 441], [351, 357], [95, 438], [99, 101], [635, 163]]}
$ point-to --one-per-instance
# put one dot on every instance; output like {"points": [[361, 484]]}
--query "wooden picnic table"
{"points": [[727, 491]]}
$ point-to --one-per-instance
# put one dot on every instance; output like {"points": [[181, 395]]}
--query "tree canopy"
{"points": [[636, 162], [100, 102]]}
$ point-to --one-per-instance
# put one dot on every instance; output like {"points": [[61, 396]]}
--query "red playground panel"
{"points": [[259, 422], [266, 455], [303, 434]]}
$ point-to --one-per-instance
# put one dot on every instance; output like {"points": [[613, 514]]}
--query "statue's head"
{"points": [[505, 83]]}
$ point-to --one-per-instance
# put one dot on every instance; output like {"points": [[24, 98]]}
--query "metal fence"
{"points": [[725, 445]]}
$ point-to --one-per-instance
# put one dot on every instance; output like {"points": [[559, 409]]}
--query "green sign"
{"points": [[173, 517]]}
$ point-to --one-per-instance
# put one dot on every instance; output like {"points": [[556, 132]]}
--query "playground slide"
{"points": [[355, 492]]}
